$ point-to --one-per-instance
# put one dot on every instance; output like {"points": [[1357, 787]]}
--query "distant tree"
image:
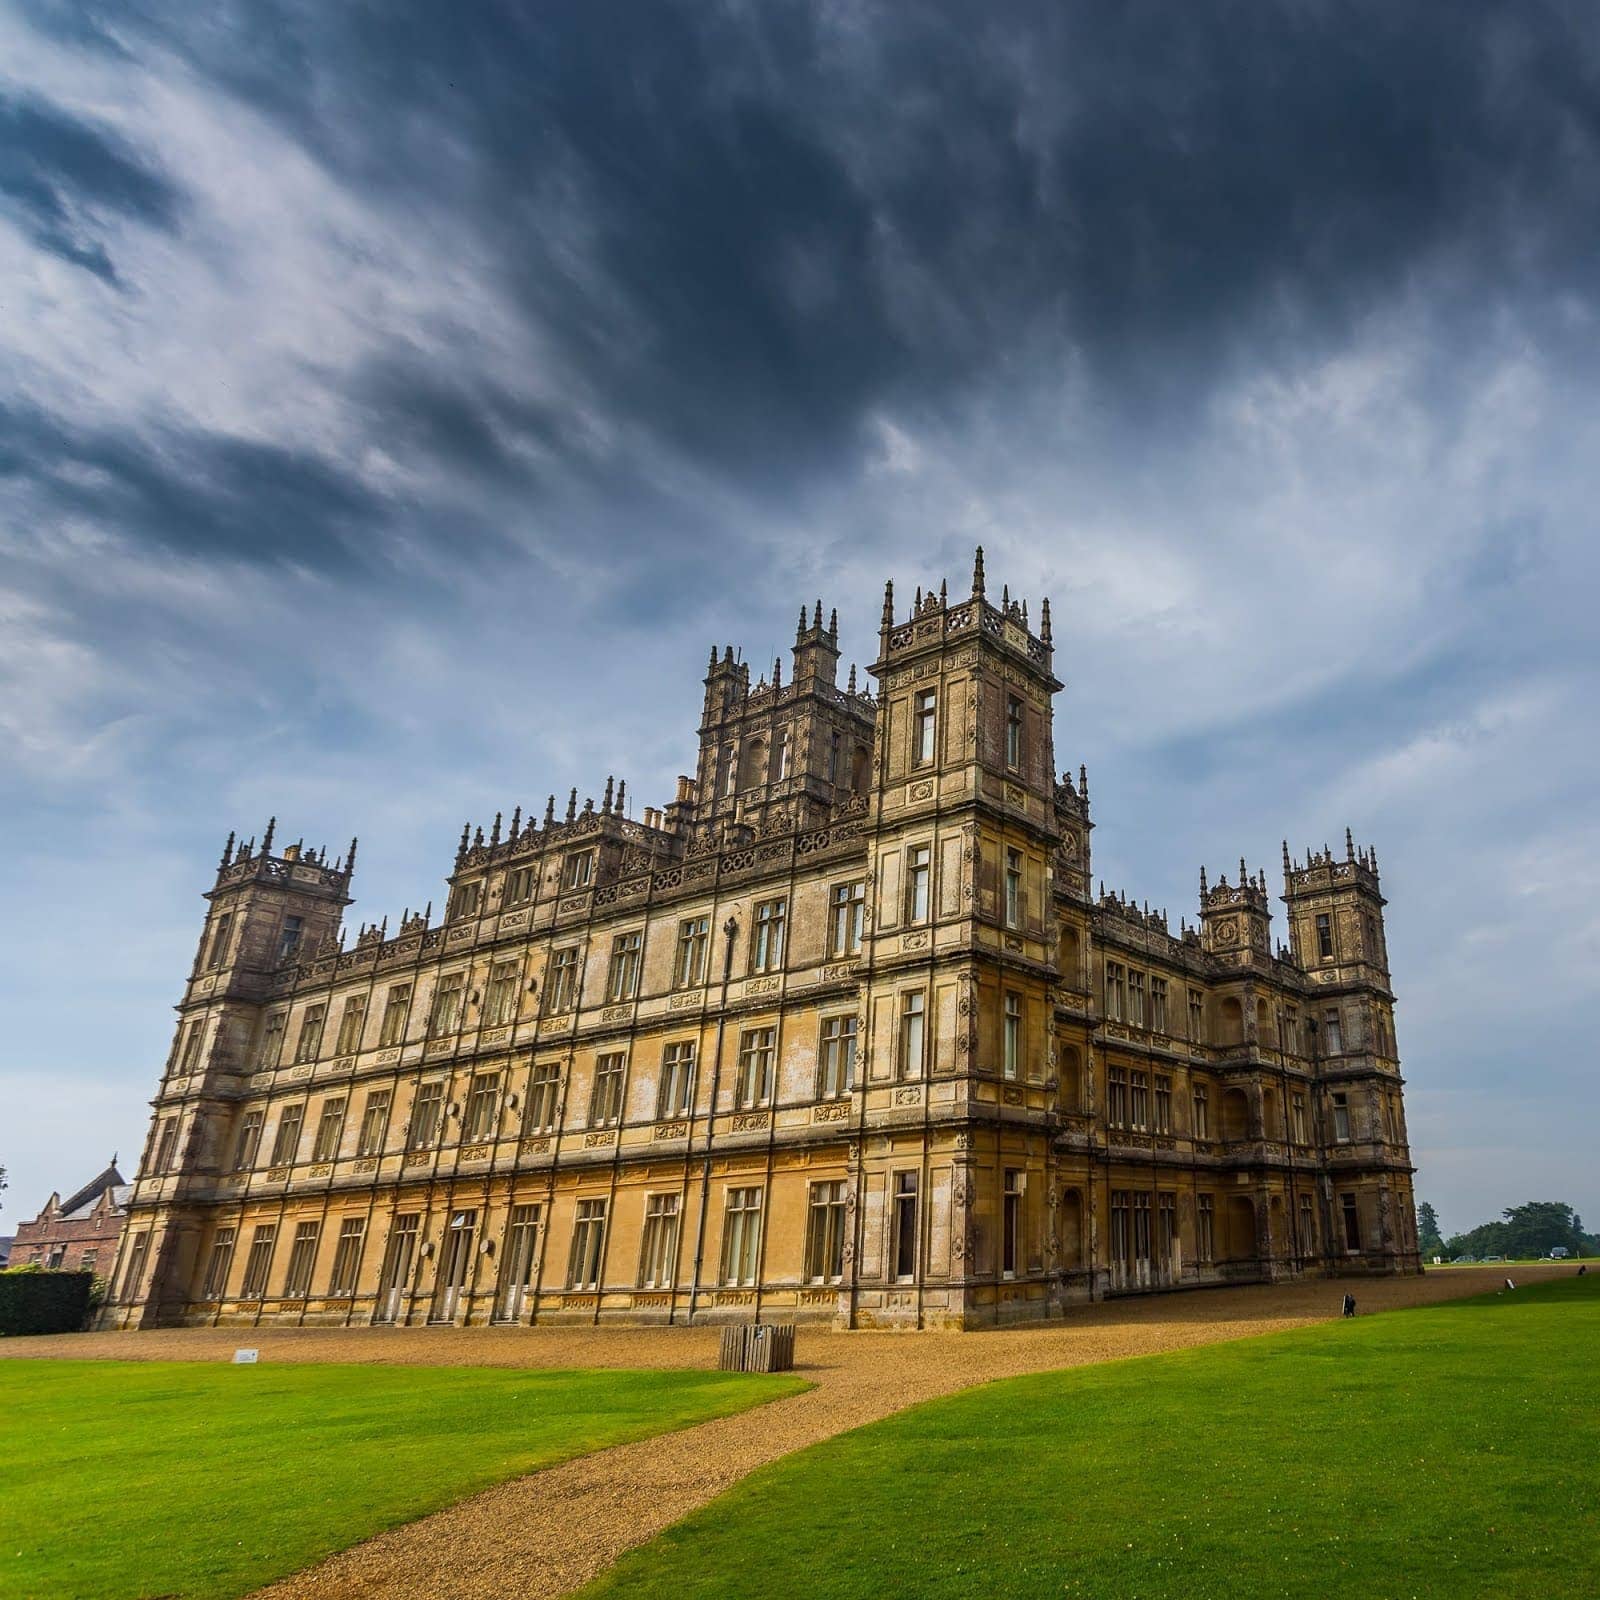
{"points": [[1534, 1229], [1428, 1240]]}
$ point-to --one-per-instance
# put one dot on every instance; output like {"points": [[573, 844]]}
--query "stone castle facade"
{"points": [[841, 1033]]}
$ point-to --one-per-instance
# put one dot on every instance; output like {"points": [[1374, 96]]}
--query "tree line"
{"points": [[1534, 1229]]}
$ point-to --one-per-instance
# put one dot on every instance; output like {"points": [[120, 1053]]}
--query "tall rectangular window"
{"points": [[310, 1041], [741, 1236], [133, 1273], [190, 1058], [622, 978], [1158, 1004], [249, 1140], [675, 1096], [1163, 1086], [1341, 1118], [330, 1129], [825, 1224], [1197, 1017], [913, 1033], [302, 1258], [1205, 1228], [520, 886], [483, 1107], [517, 1263], [1324, 936], [919, 874], [766, 953], [588, 1245], [1136, 1011], [1308, 1227], [289, 938], [455, 1268], [1116, 991], [561, 980], [1013, 732], [347, 1256], [905, 1224], [578, 870], [544, 1095], [780, 755], [925, 716], [259, 1261], [445, 1016], [658, 1253], [350, 1021], [1011, 1053], [166, 1145], [1291, 1031], [217, 1266], [374, 1123], [756, 1050], [694, 942], [1202, 1112], [427, 1116], [1013, 886], [396, 1012], [1167, 1232], [1011, 1224], [219, 940], [286, 1144], [1139, 1099], [1297, 1118], [1352, 1221], [605, 1103], [1332, 1032], [500, 994], [847, 904], [1117, 1096], [464, 901], [838, 1056]]}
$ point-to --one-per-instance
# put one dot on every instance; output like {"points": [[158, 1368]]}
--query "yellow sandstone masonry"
{"points": [[841, 1034]]}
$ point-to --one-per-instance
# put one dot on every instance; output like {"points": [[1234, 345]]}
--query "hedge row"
{"points": [[43, 1302]]}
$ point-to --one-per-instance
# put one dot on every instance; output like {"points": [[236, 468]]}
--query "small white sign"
{"points": [[246, 1358]]}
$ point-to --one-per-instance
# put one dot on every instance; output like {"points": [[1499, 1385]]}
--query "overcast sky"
{"points": [[397, 400]]}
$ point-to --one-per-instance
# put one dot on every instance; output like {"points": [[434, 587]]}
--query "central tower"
{"points": [[959, 963]]}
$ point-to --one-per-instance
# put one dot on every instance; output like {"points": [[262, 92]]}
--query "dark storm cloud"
{"points": [[740, 231], [59, 174], [746, 227], [207, 495]]}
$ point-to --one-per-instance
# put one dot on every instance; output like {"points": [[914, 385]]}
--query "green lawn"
{"points": [[141, 1479], [1447, 1451]]}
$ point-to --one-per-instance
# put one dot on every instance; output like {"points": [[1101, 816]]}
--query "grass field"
{"points": [[1447, 1451], [123, 1479]]}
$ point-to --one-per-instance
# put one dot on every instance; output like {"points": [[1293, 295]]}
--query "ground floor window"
{"points": [[347, 1256], [259, 1260], [1205, 1228], [1308, 1227], [588, 1245], [825, 1232], [1011, 1223], [658, 1257], [741, 1236], [302, 1257], [1352, 1222], [216, 1283], [456, 1266], [517, 1263], [905, 1225]]}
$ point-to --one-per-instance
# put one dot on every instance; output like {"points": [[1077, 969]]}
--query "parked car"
{"points": [[1560, 1253], [1488, 1259], [1462, 1261]]}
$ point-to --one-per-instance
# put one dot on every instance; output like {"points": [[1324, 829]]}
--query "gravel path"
{"points": [[550, 1532]]}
